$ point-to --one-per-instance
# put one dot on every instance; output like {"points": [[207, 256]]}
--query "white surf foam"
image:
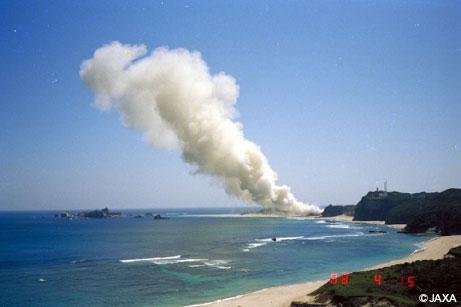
{"points": [[287, 239], [341, 226], [320, 222], [174, 261], [299, 218], [279, 239], [196, 265], [419, 249], [217, 264], [358, 234], [217, 301], [262, 242], [151, 259], [253, 245]]}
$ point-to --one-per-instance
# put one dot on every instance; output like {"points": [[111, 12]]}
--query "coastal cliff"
{"points": [[438, 212], [331, 210]]}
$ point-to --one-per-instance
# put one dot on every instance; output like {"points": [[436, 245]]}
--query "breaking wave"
{"points": [[419, 249], [218, 301], [358, 234], [340, 226], [151, 259], [173, 261], [262, 242], [219, 264], [343, 226], [196, 265]]}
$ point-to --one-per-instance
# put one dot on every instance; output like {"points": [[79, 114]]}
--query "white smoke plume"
{"points": [[171, 96]]}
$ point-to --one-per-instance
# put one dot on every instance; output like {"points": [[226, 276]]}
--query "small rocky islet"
{"points": [[105, 213]]}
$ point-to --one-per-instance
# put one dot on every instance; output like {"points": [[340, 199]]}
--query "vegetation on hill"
{"points": [[420, 211], [455, 252], [428, 277], [444, 218], [338, 210]]}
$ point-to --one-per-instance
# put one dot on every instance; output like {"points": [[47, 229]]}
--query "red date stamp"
{"points": [[334, 278], [344, 278]]}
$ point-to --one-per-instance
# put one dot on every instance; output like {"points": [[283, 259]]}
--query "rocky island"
{"points": [[103, 213], [90, 214], [156, 216]]}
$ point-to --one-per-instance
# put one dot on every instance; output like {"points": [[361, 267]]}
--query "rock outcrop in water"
{"points": [[97, 214], [94, 214], [156, 216], [64, 214], [105, 213]]}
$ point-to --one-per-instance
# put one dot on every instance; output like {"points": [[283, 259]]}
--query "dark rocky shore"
{"points": [[436, 213]]}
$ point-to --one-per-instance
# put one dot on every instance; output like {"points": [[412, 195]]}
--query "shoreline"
{"points": [[282, 296], [239, 215], [343, 218], [347, 218]]}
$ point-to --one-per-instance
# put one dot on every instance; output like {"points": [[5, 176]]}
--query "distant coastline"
{"points": [[344, 218]]}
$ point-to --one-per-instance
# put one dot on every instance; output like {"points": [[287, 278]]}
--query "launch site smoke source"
{"points": [[173, 99]]}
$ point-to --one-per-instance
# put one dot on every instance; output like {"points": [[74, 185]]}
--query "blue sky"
{"points": [[340, 96]]}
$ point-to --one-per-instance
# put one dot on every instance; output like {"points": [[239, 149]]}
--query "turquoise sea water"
{"points": [[187, 259]]}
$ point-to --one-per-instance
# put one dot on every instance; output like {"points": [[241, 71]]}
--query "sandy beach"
{"points": [[347, 218], [284, 295]]}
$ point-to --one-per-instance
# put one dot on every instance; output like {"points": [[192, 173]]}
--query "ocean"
{"points": [[186, 259]]}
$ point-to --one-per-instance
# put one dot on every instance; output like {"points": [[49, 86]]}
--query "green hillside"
{"points": [[420, 211], [429, 276]]}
